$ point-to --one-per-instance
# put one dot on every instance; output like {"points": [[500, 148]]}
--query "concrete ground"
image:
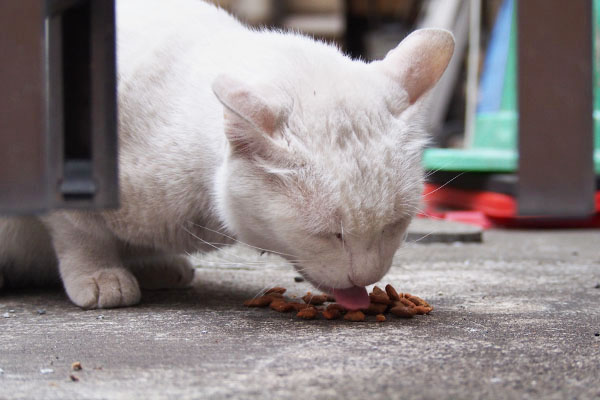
{"points": [[516, 316]]}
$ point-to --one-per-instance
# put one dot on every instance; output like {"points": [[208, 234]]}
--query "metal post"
{"points": [[58, 137], [556, 171]]}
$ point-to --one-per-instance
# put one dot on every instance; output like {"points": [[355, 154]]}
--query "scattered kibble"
{"points": [[281, 305], [76, 366], [262, 301], [278, 290], [315, 299], [74, 378], [308, 313], [332, 314], [354, 316], [402, 305]]}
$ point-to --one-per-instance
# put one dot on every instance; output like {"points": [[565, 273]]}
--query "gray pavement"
{"points": [[516, 316]]}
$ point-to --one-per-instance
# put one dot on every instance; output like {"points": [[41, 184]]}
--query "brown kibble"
{"points": [[405, 302], [307, 313], [403, 305], [391, 292], [375, 308], [262, 301], [380, 298], [377, 291], [76, 366], [314, 299], [299, 306], [278, 290], [402, 311], [74, 378], [332, 314], [417, 301], [354, 316], [281, 305], [338, 307], [422, 310]]}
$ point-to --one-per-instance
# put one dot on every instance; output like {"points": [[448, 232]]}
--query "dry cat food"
{"points": [[382, 302]]}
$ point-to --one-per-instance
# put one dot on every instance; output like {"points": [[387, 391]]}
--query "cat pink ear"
{"points": [[249, 118], [419, 61]]}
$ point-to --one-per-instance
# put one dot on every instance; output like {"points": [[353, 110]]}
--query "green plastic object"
{"points": [[494, 147]]}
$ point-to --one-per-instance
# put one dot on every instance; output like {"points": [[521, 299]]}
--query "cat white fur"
{"points": [[273, 138]]}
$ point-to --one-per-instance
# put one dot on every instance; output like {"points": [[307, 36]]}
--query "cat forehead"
{"points": [[361, 192]]}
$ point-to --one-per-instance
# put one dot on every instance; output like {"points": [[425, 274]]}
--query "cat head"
{"points": [[324, 164]]}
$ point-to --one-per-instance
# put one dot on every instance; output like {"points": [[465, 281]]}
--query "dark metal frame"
{"points": [[556, 143], [58, 120]]}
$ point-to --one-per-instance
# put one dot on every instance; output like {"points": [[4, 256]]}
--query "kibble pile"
{"points": [[382, 302]]}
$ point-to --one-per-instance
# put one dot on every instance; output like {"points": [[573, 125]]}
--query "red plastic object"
{"points": [[494, 209]]}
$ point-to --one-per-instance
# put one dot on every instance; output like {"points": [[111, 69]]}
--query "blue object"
{"points": [[492, 78]]}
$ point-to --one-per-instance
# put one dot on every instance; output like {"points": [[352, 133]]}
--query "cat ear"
{"points": [[250, 120], [419, 61]]}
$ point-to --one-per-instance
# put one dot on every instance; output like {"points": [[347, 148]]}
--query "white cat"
{"points": [[273, 138]]}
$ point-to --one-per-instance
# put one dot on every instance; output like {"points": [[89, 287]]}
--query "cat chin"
{"points": [[318, 285], [352, 297]]}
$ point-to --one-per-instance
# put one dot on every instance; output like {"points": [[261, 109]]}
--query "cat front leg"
{"points": [[156, 269], [89, 263]]}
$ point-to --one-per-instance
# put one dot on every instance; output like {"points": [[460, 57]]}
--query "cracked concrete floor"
{"points": [[517, 316]]}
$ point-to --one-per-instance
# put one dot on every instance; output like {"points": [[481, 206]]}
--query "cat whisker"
{"points": [[445, 184], [241, 242]]}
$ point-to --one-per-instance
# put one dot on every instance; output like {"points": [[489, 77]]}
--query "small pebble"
{"points": [[597, 334], [298, 279], [74, 378], [11, 311], [100, 316], [41, 312], [6, 315], [204, 332], [1, 371], [45, 371], [597, 285]]}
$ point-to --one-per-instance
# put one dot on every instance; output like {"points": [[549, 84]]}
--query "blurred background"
{"points": [[514, 121]]}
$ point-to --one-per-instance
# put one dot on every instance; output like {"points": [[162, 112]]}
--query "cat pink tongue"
{"points": [[353, 298]]}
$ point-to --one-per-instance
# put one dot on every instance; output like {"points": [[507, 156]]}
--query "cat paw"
{"points": [[107, 288], [172, 272]]}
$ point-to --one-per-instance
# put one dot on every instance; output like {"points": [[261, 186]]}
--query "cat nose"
{"points": [[366, 269]]}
